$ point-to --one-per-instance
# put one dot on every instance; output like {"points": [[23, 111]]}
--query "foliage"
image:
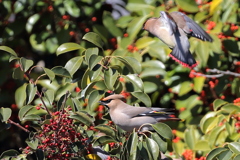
{"points": [[67, 55]]}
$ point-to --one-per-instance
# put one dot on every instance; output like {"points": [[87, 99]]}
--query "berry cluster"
{"points": [[59, 137]]}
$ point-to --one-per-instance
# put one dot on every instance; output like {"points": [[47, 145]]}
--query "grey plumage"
{"points": [[173, 29], [129, 117]]}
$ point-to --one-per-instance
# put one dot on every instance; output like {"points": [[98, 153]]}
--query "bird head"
{"points": [[111, 100]]}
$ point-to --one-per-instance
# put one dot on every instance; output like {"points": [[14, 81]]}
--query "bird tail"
{"points": [[186, 59]]}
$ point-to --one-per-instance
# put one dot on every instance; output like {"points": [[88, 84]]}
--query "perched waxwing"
{"points": [[173, 29], [129, 117]]}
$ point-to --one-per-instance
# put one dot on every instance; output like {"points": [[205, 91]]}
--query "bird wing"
{"points": [[193, 29]]}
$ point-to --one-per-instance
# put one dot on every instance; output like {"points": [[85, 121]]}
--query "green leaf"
{"points": [[214, 134], [209, 124], [67, 47], [89, 52], [25, 63], [134, 79], [163, 129], [109, 21], [23, 111], [49, 94], [9, 153], [32, 143], [49, 73], [131, 63], [143, 97], [230, 108], [94, 98], [153, 148], [190, 137], [225, 155], [5, 114], [31, 117], [215, 152], [234, 147], [188, 5], [20, 95], [202, 145], [206, 117], [217, 103], [106, 129], [31, 92], [161, 143], [133, 143], [85, 79], [138, 6], [19, 6], [72, 8], [185, 88], [93, 38], [74, 64], [144, 42], [94, 60], [135, 26], [82, 117], [103, 140], [18, 73], [202, 50], [110, 77], [9, 50], [198, 84], [61, 71], [32, 21], [87, 90], [237, 157]]}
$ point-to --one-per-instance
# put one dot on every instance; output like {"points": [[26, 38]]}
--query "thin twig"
{"points": [[44, 104], [18, 125], [64, 101], [219, 73]]}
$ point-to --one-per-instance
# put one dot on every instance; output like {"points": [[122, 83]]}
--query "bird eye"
{"points": [[108, 101]]}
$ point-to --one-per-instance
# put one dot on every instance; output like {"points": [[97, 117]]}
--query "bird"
{"points": [[174, 29], [129, 117]]}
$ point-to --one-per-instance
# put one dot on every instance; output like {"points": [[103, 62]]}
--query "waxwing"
{"points": [[173, 29], [129, 117]]}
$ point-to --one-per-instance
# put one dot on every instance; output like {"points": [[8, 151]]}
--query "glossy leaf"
{"points": [[32, 20], [109, 21], [87, 89], [234, 147], [93, 38], [49, 73], [18, 73], [218, 103], [209, 124], [153, 148], [23, 111], [94, 60], [94, 98], [31, 117], [225, 155], [190, 137], [144, 42], [20, 95], [187, 5], [9, 50], [131, 63], [198, 84], [105, 129], [163, 129], [74, 64], [82, 117], [9, 153], [5, 114], [231, 108], [32, 143], [202, 145], [133, 142], [185, 88], [25, 63], [134, 79], [161, 143], [72, 8], [31, 91], [89, 52], [143, 97], [110, 77], [215, 152], [67, 47], [49, 94], [103, 140], [61, 71]]}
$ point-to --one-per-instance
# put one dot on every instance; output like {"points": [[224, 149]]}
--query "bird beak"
{"points": [[102, 103]]}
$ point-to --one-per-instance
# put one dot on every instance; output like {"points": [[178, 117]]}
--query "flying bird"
{"points": [[174, 29], [129, 117]]}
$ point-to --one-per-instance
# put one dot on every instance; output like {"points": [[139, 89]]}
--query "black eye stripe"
{"points": [[107, 101]]}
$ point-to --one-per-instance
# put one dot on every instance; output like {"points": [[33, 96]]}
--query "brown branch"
{"points": [[219, 73], [44, 104], [18, 125]]}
